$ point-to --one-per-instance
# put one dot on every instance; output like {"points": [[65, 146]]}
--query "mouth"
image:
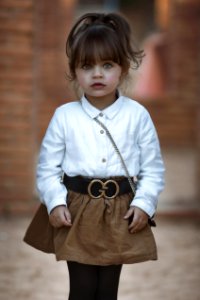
{"points": [[98, 85]]}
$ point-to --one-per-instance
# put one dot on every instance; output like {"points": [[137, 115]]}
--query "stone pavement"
{"points": [[28, 274]]}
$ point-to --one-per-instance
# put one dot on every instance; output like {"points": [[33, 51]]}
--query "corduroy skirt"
{"points": [[99, 234]]}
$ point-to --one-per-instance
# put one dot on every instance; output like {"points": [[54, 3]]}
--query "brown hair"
{"points": [[99, 36]]}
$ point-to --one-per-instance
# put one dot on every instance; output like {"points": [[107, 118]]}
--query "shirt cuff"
{"points": [[143, 205], [55, 203]]}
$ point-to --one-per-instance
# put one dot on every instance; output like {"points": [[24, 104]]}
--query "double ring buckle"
{"points": [[103, 189]]}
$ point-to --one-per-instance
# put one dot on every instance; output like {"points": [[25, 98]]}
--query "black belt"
{"points": [[98, 187]]}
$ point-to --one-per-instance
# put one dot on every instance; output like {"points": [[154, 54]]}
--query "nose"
{"points": [[97, 71]]}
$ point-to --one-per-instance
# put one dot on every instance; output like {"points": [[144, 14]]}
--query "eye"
{"points": [[86, 67], [108, 65]]}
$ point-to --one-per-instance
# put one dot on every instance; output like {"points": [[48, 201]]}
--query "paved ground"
{"points": [[27, 274]]}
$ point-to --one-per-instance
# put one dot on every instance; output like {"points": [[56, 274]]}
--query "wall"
{"points": [[32, 83], [177, 114], [16, 114]]}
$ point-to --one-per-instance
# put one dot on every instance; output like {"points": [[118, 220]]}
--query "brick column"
{"points": [[184, 50], [177, 114], [32, 84], [53, 20], [16, 113], [183, 155]]}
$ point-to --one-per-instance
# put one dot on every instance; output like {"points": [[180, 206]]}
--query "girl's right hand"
{"points": [[60, 216]]}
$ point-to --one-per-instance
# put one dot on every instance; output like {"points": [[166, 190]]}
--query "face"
{"points": [[99, 81]]}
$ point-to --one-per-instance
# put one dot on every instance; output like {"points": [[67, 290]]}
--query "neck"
{"points": [[103, 102]]}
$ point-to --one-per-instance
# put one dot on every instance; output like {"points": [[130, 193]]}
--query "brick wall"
{"points": [[16, 111], [178, 113], [53, 20], [184, 49], [32, 84]]}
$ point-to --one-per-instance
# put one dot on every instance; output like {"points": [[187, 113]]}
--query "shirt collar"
{"points": [[109, 111]]}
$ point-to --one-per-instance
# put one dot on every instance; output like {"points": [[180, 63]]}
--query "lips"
{"points": [[97, 85]]}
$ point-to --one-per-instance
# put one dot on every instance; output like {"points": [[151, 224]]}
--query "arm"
{"points": [[49, 172], [150, 177]]}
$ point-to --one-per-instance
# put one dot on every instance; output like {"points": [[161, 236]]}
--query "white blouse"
{"points": [[76, 145]]}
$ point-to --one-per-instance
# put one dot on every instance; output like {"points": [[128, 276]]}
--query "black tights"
{"points": [[88, 282]]}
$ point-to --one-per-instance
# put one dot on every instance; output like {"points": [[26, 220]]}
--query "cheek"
{"points": [[114, 78], [81, 79]]}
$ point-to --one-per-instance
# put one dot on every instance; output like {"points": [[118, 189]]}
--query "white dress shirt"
{"points": [[76, 145]]}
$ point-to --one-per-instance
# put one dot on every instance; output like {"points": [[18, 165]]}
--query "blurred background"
{"points": [[33, 68], [33, 83]]}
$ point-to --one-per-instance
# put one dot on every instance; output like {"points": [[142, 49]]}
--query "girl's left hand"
{"points": [[139, 219]]}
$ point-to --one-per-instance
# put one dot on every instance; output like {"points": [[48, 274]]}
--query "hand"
{"points": [[139, 220], [60, 216]]}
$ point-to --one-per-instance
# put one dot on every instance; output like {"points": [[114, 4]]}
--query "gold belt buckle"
{"points": [[103, 189]]}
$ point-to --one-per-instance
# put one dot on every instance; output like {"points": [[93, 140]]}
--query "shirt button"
{"points": [[101, 131], [103, 160]]}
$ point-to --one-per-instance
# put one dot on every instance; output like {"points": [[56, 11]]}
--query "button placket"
{"points": [[104, 158], [103, 146]]}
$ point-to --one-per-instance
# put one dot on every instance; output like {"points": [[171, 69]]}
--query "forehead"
{"points": [[97, 46]]}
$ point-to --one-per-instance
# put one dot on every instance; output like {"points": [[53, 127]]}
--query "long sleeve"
{"points": [[49, 172], [151, 174], [73, 144]]}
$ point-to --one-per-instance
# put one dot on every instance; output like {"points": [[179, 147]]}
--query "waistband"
{"points": [[98, 187]]}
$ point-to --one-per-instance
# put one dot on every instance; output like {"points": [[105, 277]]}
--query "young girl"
{"points": [[95, 222]]}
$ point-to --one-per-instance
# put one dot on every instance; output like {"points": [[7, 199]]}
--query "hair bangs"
{"points": [[97, 46]]}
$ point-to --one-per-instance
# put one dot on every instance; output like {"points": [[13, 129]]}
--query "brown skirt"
{"points": [[99, 234]]}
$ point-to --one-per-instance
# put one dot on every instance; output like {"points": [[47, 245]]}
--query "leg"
{"points": [[83, 281], [108, 282]]}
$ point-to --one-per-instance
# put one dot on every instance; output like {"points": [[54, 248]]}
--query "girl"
{"points": [[95, 222]]}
